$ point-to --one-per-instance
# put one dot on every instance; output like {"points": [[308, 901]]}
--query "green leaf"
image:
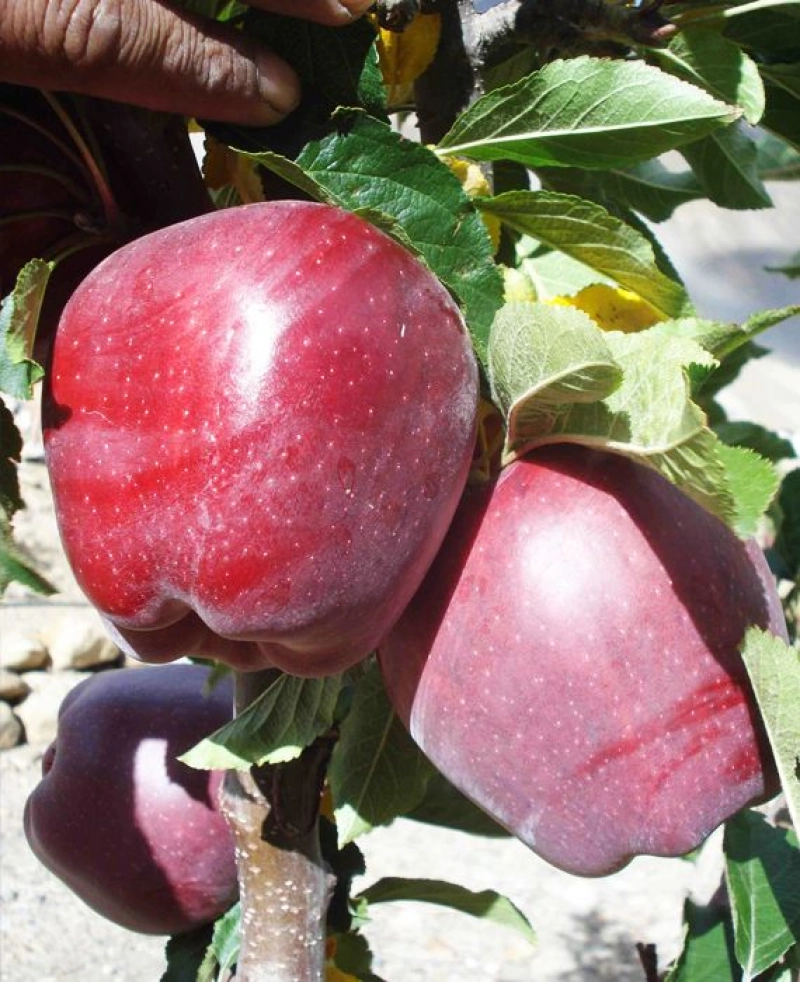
{"points": [[486, 904], [762, 871], [785, 76], [19, 316], [650, 416], [768, 29], [727, 165], [336, 66], [288, 716], [753, 482], [223, 950], [15, 567], [445, 806], [757, 438], [586, 112], [10, 456], [377, 771], [585, 231], [366, 165], [184, 955], [782, 115], [649, 188], [777, 160], [718, 65], [790, 269], [787, 543], [707, 954], [354, 957], [724, 338], [774, 671], [542, 358]]}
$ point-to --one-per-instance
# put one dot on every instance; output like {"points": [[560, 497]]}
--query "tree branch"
{"points": [[284, 885]]}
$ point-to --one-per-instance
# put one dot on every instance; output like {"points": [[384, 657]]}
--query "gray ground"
{"points": [[587, 928]]}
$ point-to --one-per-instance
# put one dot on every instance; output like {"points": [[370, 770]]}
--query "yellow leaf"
{"points": [[613, 308], [404, 55], [223, 167], [475, 183]]}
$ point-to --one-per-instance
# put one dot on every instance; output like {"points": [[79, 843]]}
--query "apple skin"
{"points": [[258, 426], [571, 661], [136, 834]]}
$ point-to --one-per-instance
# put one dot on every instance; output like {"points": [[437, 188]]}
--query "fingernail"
{"points": [[278, 84]]}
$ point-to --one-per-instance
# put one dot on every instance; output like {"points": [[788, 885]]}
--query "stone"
{"points": [[11, 729], [13, 688], [77, 640], [22, 652], [39, 712]]}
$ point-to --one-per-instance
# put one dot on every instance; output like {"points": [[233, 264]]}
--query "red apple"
{"points": [[258, 426], [571, 661], [133, 832]]}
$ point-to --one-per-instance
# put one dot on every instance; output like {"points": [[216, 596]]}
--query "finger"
{"points": [[148, 54], [331, 12]]}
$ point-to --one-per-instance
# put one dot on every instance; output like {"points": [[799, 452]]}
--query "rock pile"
{"points": [[40, 664]]}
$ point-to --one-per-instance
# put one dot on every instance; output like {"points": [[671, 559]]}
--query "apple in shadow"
{"points": [[136, 834]]}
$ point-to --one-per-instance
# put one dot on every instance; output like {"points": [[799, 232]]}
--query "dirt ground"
{"points": [[587, 929]]}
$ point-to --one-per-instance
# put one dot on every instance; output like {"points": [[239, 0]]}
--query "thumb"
{"points": [[148, 54]]}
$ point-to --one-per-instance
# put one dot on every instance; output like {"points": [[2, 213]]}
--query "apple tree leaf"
{"points": [[445, 806], [790, 269], [649, 416], [787, 542], [713, 62], [726, 163], [762, 870], [10, 456], [782, 115], [753, 436], [337, 67], [366, 165], [353, 957], [566, 359], [288, 716], [403, 188], [185, 954], [648, 188], [15, 567], [774, 671], [707, 948], [19, 316], [586, 112], [376, 771], [222, 952], [486, 904], [588, 233]]}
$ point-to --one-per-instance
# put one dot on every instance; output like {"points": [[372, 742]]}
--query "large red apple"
{"points": [[133, 832], [571, 661], [258, 426]]}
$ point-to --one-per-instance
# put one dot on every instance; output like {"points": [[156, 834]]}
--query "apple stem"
{"points": [[284, 884]]}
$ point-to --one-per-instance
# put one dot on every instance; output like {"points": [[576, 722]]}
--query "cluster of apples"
{"points": [[259, 426]]}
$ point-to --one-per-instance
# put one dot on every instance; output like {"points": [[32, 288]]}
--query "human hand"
{"points": [[152, 54]]}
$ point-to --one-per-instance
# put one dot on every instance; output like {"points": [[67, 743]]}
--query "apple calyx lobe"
{"points": [[258, 424], [571, 662]]}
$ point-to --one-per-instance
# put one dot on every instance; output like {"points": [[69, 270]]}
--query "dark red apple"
{"points": [[258, 426], [136, 834], [571, 661]]}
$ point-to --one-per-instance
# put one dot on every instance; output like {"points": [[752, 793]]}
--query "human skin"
{"points": [[571, 661], [258, 425], [154, 55], [136, 834]]}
